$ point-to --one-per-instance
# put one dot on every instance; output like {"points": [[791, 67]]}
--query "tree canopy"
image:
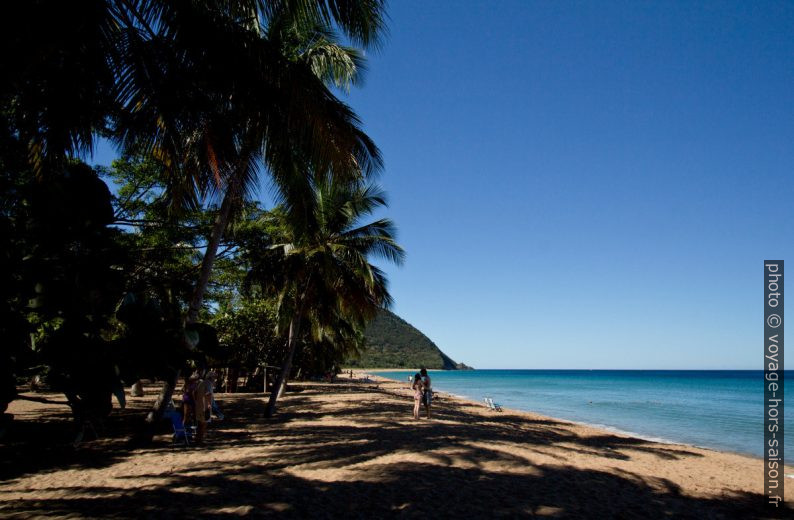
{"points": [[142, 269]]}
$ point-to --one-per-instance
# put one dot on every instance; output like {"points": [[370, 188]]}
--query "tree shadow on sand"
{"points": [[401, 489], [308, 469], [47, 443]]}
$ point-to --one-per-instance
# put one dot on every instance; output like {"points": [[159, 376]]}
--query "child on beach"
{"points": [[418, 389]]}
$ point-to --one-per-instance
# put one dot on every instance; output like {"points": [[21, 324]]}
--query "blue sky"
{"points": [[586, 186]]}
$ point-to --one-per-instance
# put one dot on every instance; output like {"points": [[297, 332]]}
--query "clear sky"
{"points": [[586, 185]]}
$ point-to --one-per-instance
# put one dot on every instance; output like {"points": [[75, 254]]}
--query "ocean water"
{"points": [[718, 409]]}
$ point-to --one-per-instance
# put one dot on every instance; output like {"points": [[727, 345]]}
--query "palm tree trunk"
{"points": [[209, 255], [162, 400], [281, 384], [222, 220], [149, 427]]}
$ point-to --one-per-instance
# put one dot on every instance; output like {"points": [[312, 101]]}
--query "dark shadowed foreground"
{"points": [[351, 450]]}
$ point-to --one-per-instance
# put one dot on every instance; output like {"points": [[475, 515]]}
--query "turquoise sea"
{"points": [[718, 409]]}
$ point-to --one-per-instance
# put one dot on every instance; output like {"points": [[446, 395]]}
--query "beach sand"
{"points": [[351, 449]]}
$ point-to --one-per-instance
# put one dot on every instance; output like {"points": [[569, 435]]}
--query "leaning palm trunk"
{"points": [[294, 330], [221, 222], [146, 433], [163, 399]]}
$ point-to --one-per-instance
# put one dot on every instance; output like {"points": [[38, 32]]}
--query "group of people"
{"points": [[198, 403], [423, 392]]}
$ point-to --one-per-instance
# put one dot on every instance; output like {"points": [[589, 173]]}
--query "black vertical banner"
{"points": [[774, 477]]}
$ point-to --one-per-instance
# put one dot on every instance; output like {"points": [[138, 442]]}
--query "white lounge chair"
{"points": [[491, 405]]}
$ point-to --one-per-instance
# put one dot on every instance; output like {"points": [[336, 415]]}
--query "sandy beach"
{"points": [[351, 449]]}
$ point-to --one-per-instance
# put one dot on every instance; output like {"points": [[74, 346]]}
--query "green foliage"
{"points": [[320, 274], [15, 354], [247, 334], [64, 282], [102, 282], [320, 271], [164, 247], [69, 267], [391, 342], [157, 76], [71, 248]]}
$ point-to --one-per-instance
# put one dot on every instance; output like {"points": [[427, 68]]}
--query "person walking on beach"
{"points": [[427, 387], [418, 389]]}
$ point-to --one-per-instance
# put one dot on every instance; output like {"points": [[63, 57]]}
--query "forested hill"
{"points": [[394, 343]]}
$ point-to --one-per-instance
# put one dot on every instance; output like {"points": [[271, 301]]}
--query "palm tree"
{"points": [[234, 117], [309, 46], [316, 127], [321, 274], [214, 90], [204, 87], [73, 67]]}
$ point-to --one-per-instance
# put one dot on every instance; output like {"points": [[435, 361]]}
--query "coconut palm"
{"points": [[318, 61], [316, 131], [215, 90], [206, 87], [72, 67], [322, 273]]}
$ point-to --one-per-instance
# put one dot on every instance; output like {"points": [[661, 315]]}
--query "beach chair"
{"points": [[492, 406], [181, 433]]}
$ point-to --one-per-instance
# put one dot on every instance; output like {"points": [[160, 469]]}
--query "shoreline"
{"points": [[396, 370], [598, 426], [603, 427], [788, 468], [352, 449]]}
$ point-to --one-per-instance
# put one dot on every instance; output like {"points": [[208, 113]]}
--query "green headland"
{"points": [[392, 342]]}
